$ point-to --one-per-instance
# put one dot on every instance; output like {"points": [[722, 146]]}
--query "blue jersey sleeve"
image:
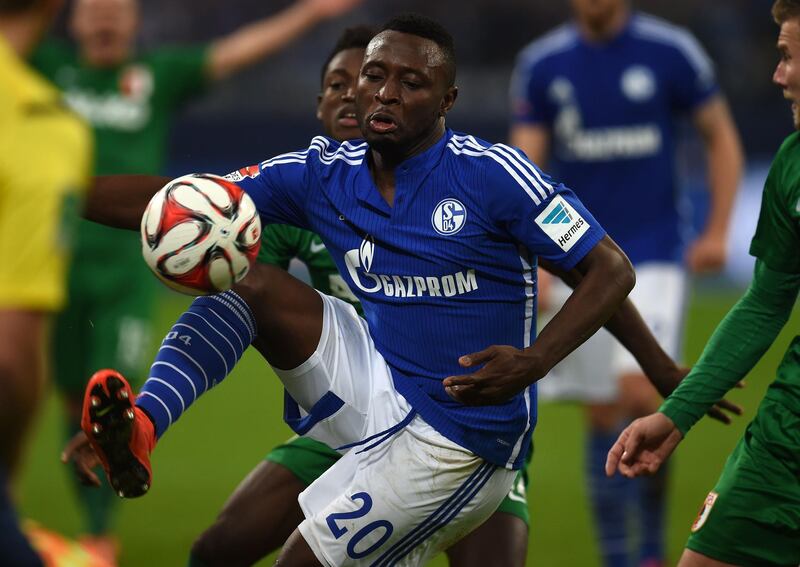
{"points": [[693, 80], [528, 93], [533, 209], [279, 188]]}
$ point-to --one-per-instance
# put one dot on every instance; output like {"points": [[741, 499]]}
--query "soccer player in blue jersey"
{"points": [[437, 234], [600, 94]]}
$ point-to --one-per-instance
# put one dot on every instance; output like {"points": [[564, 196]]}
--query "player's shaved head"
{"points": [[420, 26], [785, 10]]}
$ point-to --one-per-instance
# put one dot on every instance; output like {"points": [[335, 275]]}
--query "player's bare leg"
{"points": [[257, 519], [297, 553], [693, 559], [501, 541], [288, 315]]}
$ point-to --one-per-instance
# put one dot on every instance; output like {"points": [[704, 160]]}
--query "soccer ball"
{"points": [[200, 234]]}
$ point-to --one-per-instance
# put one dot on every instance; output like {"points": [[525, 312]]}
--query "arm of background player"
{"points": [[534, 140], [252, 42], [632, 332], [744, 335], [120, 200], [607, 278], [724, 164]]}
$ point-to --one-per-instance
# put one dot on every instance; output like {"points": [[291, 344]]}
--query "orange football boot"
{"points": [[122, 435]]}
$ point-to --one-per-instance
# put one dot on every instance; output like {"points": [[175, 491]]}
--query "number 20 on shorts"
{"points": [[355, 539]]}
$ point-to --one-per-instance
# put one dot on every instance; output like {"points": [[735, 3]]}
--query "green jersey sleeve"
{"points": [[180, 72], [777, 238], [740, 340], [277, 246]]}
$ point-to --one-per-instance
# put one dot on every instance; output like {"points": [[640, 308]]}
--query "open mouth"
{"points": [[347, 120], [382, 123]]}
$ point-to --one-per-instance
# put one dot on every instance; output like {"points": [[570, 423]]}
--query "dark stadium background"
{"points": [[270, 109]]}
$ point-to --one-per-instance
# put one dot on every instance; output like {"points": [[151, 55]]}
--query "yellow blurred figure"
{"points": [[44, 166]]}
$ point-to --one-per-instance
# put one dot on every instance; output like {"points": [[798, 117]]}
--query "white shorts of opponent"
{"points": [[590, 373], [404, 492]]}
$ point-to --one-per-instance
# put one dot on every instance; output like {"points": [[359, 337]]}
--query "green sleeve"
{"points": [[740, 340], [277, 248], [180, 72]]}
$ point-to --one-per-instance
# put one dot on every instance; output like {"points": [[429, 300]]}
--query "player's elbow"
{"points": [[623, 275]]}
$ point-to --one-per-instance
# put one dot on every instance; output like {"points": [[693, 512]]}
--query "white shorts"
{"points": [[590, 374], [405, 492]]}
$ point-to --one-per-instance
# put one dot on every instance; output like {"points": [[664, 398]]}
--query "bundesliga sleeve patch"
{"points": [[562, 223], [251, 171]]}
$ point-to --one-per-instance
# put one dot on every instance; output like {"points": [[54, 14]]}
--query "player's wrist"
{"points": [[680, 420]]}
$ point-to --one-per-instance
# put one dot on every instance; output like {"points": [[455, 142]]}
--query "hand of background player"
{"points": [[79, 451], [707, 254], [506, 371], [643, 446]]}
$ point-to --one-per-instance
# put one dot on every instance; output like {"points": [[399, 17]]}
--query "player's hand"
{"points": [[506, 371], [332, 8], [79, 452], [707, 254], [723, 409], [643, 446]]}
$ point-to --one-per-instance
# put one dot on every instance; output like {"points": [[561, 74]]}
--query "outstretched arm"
{"points": [[255, 41], [119, 201]]}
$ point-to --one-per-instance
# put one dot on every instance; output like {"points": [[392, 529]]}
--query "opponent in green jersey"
{"points": [[752, 516], [281, 243], [129, 99]]}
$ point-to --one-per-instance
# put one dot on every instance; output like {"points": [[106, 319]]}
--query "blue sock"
{"points": [[199, 351], [651, 503], [610, 497]]}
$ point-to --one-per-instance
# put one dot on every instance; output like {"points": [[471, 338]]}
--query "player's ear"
{"points": [[448, 100], [319, 109]]}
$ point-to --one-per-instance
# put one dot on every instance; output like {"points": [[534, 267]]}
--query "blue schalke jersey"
{"points": [[448, 270], [610, 108]]}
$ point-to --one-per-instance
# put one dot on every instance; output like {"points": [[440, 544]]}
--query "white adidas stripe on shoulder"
{"points": [[342, 152], [661, 31], [351, 146], [560, 39], [290, 157], [519, 168]]}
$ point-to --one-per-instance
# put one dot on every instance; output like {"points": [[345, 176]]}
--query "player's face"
{"points": [[597, 13], [787, 73], [336, 104], [403, 93], [105, 29]]}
